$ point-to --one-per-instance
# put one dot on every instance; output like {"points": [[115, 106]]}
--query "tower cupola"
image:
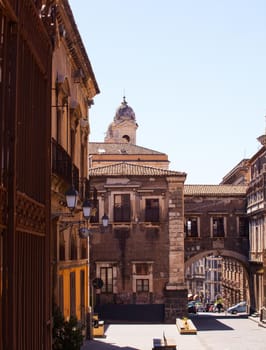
{"points": [[124, 126]]}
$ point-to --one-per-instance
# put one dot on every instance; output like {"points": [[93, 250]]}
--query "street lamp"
{"points": [[71, 198], [86, 207], [105, 220]]}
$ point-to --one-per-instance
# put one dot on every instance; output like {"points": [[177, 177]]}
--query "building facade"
{"points": [[46, 88], [73, 88], [25, 123], [257, 219], [139, 256], [216, 229], [215, 220]]}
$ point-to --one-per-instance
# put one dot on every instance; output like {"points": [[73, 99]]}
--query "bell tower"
{"points": [[124, 126]]}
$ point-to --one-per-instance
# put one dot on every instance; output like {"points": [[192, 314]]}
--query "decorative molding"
{"points": [[30, 215]]}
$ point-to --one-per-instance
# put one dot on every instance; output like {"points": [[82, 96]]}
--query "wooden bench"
{"points": [[164, 343]]}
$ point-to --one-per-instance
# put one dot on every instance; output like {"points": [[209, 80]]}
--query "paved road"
{"points": [[215, 332]]}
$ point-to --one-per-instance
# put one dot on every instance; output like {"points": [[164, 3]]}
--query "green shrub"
{"points": [[67, 335]]}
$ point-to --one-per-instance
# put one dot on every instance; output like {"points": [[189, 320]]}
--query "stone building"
{"points": [[140, 256], [215, 221], [256, 215], [73, 89], [252, 172], [47, 85], [216, 228], [239, 175]]}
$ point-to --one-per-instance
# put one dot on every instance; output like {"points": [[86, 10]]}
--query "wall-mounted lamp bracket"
{"points": [[65, 215], [64, 225]]}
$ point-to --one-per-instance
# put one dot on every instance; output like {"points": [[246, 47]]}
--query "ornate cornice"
{"points": [[75, 46]]}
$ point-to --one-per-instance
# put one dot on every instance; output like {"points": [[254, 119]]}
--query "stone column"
{"points": [[176, 291]]}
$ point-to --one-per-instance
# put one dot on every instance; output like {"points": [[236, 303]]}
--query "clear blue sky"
{"points": [[194, 71]]}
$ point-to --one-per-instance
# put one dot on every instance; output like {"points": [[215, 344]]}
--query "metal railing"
{"points": [[62, 165]]}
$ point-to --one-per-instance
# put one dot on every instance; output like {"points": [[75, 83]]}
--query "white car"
{"points": [[240, 307]]}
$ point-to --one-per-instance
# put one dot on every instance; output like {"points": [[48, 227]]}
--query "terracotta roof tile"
{"points": [[123, 168], [213, 190]]}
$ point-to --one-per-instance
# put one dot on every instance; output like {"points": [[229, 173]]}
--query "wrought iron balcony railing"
{"points": [[63, 166]]}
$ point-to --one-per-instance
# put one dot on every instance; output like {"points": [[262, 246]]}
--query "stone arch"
{"points": [[223, 252]]}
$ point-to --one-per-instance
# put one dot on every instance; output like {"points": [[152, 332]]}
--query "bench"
{"points": [[188, 329], [164, 343], [98, 327]]}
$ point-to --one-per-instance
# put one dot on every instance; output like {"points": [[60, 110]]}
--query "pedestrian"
{"points": [[219, 307]]}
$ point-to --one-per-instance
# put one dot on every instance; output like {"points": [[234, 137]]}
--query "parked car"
{"points": [[240, 307], [191, 307]]}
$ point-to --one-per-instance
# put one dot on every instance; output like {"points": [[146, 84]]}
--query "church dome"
{"points": [[124, 112]]}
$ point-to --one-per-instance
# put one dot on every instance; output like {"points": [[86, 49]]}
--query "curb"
{"points": [[258, 321]]}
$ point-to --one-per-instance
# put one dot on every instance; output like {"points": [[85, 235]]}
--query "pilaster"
{"points": [[176, 291]]}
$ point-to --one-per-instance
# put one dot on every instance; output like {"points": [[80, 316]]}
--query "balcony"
{"points": [[62, 165]]}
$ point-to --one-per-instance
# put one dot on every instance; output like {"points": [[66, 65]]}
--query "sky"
{"points": [[194, 72]]}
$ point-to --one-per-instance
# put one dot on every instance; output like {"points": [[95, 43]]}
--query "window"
{"points": [[82, 296], [243, 227], [62, 254], [152, 210], [142, 269], [83, 248], [121, 207], [106, 274], [72, 294], [142, 277], [61, 293], [73, 246], [218, 227], [142, 285], [191, 227]]}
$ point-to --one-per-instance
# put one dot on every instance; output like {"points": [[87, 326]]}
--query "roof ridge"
{"points": [[150, 170]]}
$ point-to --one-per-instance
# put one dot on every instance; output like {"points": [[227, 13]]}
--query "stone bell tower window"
{"points": [[126, 138]]}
